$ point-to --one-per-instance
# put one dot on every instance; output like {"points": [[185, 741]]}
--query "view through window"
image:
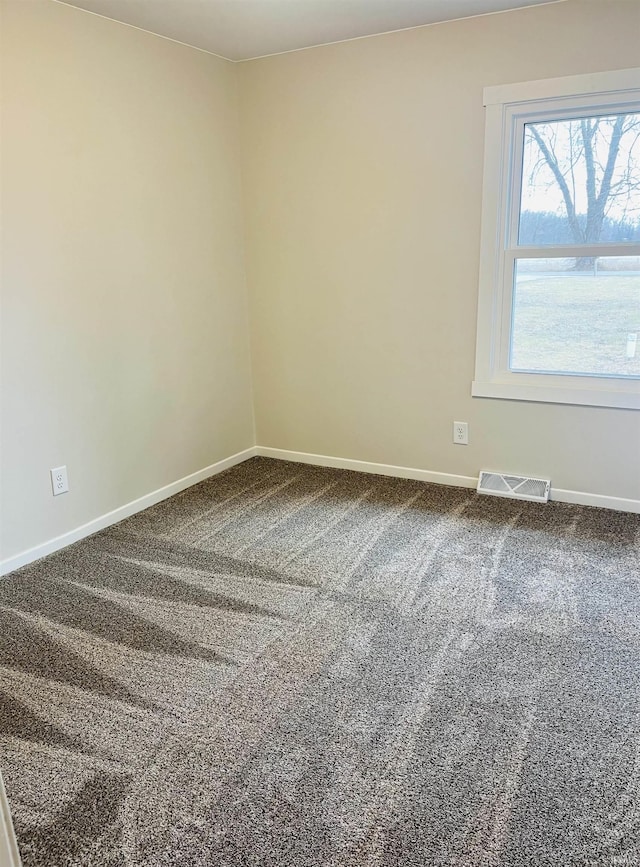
{"points": [[575, 309]]}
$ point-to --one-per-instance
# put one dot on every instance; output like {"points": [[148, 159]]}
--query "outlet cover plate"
{"points": [[461, 433], [59, 481]]}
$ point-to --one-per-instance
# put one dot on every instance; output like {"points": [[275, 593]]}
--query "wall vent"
{"points": [[516, 487]]}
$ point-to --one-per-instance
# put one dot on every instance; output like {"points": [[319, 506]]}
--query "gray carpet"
{"points": [[288, 665]]}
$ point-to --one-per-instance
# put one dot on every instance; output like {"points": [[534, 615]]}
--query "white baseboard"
{"points": [[367, 467], [121, 513], [602, 501], [580, 498]]}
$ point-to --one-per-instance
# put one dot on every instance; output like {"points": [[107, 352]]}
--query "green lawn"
{"points": [[576, 323]]}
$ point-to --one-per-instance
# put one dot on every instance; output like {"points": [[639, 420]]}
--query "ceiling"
{"points": [[245, 29]]}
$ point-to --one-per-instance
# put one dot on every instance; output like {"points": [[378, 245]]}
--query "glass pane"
{"points": [[579, 316], [581, 181]]}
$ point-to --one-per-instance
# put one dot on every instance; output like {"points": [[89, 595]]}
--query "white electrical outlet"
{"points": [[461, 433], [59, 481]]}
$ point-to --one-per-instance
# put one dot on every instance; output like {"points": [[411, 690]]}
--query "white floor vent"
{"points": [[516, 487]]}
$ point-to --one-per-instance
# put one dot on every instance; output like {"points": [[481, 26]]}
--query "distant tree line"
{"points": [[546, 227]]}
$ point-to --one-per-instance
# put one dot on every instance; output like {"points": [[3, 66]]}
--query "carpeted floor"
{"points": [[288, 665]]}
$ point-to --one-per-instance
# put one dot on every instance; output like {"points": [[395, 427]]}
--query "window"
{"points": [[559, 304]]}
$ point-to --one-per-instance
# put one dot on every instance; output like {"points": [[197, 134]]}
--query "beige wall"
{"points": [[363, 178], [125, 341], [125, 350]]}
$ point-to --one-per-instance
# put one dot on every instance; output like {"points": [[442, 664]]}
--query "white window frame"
{"points": [[508, 108]]}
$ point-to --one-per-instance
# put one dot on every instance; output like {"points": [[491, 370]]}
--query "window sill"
{"points": [[626, 397]]}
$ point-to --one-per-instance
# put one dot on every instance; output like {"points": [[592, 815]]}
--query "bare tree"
{"points": [[594, 161]]}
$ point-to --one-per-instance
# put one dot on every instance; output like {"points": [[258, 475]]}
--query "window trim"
{"points": [[507, 108]]}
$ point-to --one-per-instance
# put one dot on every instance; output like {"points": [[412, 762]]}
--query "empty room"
{"points": [[320, 433]]}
